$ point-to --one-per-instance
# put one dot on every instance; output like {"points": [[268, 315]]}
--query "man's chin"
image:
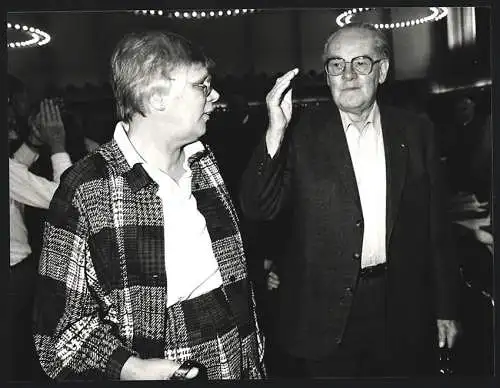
{"points": [[354, 106]]}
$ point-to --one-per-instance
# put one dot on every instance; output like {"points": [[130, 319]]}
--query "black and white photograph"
{"points": [[267, 193]]}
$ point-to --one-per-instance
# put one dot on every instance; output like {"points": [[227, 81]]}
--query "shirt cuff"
{"points": [[60, 162], [25, 155]]}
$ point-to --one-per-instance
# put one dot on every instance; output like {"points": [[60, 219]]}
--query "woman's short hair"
{"points": [[140, 59]]}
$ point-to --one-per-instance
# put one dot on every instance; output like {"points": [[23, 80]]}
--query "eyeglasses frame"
{"points": [[373, 62]]}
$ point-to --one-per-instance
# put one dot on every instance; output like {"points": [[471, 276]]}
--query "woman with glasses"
{"points": [[143, 275]]}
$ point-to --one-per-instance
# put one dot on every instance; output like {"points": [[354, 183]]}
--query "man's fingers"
{"points": [[288, 76], [274, 96], [288, 97], [273, 281], [43, 112], [273, 276], [286, 103], [450, 341], [271, 285], [55, 115], [447, 332], [452, 335], [441, 335], [49, 111], [55, 109], [52, 108]]}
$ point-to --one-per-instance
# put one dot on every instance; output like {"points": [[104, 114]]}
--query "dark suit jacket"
{"points": [[312, 175]]}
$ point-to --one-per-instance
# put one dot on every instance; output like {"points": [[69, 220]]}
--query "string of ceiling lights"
{"points": [[35, 36], [436, 14], [196, 14]]}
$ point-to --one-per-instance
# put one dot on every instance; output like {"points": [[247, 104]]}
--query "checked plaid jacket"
{"points": [[102, 287]]}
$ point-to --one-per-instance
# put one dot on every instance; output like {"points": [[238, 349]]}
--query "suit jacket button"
{"points": [[260, 167], [348, 291], [359, 223], [338, 341], [356, 256]]}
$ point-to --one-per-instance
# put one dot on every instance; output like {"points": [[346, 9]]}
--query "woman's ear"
{"points": [[157, 101], [158, 95]]}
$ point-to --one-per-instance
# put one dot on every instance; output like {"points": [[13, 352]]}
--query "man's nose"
{"points": [[349, 72]]}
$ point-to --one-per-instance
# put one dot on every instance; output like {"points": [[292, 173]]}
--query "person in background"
{"points": [[76, 146], [28, 189], [368, 279], [143, 275], [470, 149]]}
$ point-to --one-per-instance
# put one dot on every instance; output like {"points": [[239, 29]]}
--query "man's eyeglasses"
{"points": [[362, 65]]}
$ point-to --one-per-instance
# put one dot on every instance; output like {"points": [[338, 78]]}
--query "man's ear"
{"points": [[384, 69], [327, 79]]}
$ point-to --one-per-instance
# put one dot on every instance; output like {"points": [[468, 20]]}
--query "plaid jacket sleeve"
{"points": [[74, 321]]}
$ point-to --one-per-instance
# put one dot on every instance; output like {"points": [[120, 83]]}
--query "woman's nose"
{"points": [[213, 96]]}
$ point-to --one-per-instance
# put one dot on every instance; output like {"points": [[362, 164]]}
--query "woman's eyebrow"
{"points": [[203, 78]]}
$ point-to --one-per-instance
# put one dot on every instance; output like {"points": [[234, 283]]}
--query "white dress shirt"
{"points": [[26, 188], [366, 146], [190, 263]]}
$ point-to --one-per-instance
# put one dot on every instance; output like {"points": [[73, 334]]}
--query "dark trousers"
{"points": [[22, 358], [363, 351]]}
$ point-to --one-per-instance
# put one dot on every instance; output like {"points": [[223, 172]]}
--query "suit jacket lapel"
{"points": [[396, 153]]}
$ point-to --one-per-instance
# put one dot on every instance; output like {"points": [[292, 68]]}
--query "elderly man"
{"points": [[368, 285], [142, 274]]}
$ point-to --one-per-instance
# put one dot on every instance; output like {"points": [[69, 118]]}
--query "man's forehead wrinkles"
{"points": [[348, 52]]}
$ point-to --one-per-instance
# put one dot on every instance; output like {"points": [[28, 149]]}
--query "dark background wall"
{"points": [[269, 41]]}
